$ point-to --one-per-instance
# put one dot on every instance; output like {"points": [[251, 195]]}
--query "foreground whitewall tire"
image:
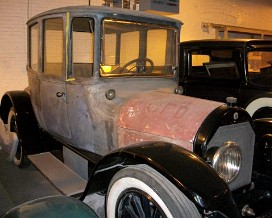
{"points": [[143, 192]]}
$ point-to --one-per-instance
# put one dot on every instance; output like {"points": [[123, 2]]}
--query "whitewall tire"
{"points": [[140, 191]]}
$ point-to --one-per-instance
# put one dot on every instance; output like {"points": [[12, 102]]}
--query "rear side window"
{"points": [[53, 47], [221, 64], [34, 47]]}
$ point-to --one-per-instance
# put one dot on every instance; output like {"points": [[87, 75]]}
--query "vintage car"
{"points": [[242, 68], [104, 83], [216, 69]]}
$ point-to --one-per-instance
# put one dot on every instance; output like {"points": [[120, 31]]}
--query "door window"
{"points": [[82, 47], [221, 64], [53, 47]]}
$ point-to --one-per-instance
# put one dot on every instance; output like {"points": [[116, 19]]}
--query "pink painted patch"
{"points": [[172, 116]]}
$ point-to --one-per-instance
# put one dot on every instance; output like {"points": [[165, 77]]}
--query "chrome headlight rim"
{"points": [[227, 161]]}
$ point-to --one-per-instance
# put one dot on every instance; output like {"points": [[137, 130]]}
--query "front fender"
{"points": [[221, 116], [196, 179]]}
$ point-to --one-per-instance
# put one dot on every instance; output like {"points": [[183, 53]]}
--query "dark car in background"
{"points": [[241, 68]]}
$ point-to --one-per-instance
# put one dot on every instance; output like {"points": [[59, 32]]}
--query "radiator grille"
{"points": [[244, 136]]}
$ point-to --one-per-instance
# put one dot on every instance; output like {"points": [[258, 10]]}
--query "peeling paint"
{"points": [[131, 112], [168, 116]]}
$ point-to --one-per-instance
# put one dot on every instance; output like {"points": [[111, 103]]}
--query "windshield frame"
{"points": [[116, 69]]}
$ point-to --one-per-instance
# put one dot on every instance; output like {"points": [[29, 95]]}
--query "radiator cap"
{"points": [[231, 101]]}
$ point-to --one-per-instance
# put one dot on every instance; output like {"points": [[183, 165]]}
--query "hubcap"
{"points": [[138, 205]]}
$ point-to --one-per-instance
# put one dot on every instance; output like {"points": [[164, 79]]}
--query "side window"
{"points": [[259, 61], [259, 68], [53, 47], [221, 64], [82, 47], [198, 68], [34, 47]]}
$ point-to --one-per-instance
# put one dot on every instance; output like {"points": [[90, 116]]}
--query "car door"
{"points": [[52, 79], [78, 95]]}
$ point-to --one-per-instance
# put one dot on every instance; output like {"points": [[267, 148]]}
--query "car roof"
{"points": [[227, 42], [104, 11]]}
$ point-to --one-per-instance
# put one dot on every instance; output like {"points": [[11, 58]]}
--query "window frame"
{"points": [[207, 76], [30, 47], [70, 70], [64, 46], [164, 27]]}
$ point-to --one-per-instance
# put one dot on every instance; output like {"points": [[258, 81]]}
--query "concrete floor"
{"points": [[20, 185]]}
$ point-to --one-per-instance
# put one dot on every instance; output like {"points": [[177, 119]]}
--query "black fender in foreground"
{"points": [[28, 130], [189, 173]]}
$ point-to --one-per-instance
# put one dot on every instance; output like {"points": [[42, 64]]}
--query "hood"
{"points": [[158, 116]]}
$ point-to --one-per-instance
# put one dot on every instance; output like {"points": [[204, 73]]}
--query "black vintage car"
{"points": [[241, 68], [216, 69]]}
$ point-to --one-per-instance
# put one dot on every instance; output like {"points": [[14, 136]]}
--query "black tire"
{"points": [[140, 191], [20, 158]]}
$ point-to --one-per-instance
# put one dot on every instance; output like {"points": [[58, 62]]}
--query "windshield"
{"points": [[138, 49], [260, 68]]}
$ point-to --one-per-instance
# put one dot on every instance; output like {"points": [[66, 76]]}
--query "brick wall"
{"points": [[249, 14], [12, 44], [15, 13]]}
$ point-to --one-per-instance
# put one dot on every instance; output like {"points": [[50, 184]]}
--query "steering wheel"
{"points": [[140, 69]]}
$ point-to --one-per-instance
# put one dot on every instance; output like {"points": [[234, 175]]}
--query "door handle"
{"points": [[60, 94]]}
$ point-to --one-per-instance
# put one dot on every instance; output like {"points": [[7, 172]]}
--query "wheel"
{"points": [[139, 69], [20, 158], [140, 191]]}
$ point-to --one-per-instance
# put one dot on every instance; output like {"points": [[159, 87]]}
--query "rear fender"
{"points": [[28, 130], [189, 173], [255, 105]]}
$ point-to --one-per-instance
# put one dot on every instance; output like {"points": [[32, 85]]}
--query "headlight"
{"points": [[227, 161]]}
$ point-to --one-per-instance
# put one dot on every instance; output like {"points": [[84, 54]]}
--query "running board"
{"points": [[61, 176]]}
